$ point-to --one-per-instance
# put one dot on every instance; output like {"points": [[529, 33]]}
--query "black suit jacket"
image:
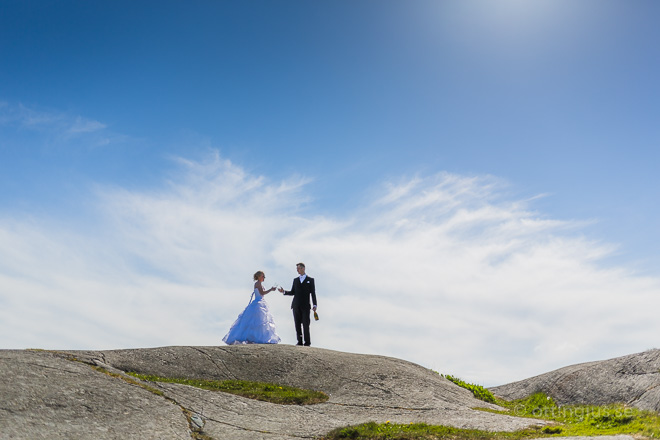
{"points": [[301, 293]]}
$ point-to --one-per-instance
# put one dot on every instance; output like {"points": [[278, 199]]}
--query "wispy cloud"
{"points": [[443, 270], [80, 125], [59, 126]]}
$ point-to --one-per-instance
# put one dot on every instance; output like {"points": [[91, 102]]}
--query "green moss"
{"points": [[267, 392], [573, 420], [587, 420], [422, 431], [478, 391]]}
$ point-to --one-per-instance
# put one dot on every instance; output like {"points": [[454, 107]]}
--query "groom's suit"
{"points": [[301, 292]]}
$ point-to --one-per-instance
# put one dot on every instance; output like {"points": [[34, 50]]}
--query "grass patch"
{"points": [[586, 420], [479, 392], [266, 392], [422, 431], [573, 420]]}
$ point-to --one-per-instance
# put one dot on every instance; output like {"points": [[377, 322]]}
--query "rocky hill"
{"points": [[65, 395], [632, 379], [87, 395]]}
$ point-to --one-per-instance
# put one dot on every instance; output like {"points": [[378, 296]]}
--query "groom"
{"points": [[303, 287]]}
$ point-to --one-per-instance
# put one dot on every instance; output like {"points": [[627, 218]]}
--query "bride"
{"points": [[255, 324]]}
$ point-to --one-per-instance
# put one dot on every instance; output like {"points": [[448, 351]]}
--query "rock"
{"points": [[50, 396], [197, 422], [633, 380], [58, 395]]}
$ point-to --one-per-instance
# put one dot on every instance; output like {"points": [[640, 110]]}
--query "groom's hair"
{"points": [[301, 264]]}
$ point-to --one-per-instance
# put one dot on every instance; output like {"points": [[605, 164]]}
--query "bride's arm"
{"points": [[261, 289]]}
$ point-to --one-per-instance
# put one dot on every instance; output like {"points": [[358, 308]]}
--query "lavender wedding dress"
{"points": [[254, 325]]}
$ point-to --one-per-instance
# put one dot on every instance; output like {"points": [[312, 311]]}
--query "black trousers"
{"points": [[301, 319]]}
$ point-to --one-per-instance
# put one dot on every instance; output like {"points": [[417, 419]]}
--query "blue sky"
{"points": [[167, 150]]}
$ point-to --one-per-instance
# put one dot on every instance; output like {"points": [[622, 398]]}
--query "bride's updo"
{"points": [[257, 274]]}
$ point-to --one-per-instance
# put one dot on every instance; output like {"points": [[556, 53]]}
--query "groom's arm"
{"points": [[313, 292], [289, 292]]}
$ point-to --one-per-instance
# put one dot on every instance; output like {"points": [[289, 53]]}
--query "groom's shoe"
{"points": [[299, 343], [307, 344]]}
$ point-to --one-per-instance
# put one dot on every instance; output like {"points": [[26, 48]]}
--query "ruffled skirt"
{"points": [[254, 325]]}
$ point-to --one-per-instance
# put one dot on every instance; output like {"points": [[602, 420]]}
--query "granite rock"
{"points": [[633, 380], [87, 395]]}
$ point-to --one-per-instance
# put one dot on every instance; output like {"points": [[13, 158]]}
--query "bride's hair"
{"points": [[257, 274]]}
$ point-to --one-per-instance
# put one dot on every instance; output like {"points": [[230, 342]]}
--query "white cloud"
{"points": [[59, 127], [440, 270], [81, 125]]}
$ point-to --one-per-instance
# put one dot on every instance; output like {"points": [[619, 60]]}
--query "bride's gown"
{"points": [[254, 325]]}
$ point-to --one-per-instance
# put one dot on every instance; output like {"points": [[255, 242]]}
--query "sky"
{"points": [[473, 184]]}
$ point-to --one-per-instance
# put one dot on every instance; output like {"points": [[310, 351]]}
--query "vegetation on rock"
{"points": [[586, 420], [573, 420], [266, 392], [479, 392]]}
